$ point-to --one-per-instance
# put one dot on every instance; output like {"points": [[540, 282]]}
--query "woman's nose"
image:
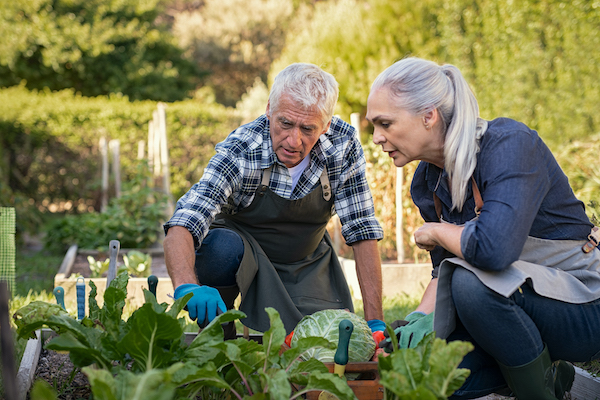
{"points": [[377, 137]]}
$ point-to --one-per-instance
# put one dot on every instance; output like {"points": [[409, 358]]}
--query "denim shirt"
{"points": [[525, 193]]}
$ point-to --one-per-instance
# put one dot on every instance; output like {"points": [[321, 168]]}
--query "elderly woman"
{"points": [[516, 267]]}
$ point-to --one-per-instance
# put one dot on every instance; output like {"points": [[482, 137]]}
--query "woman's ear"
{"points": [[430, 118]]}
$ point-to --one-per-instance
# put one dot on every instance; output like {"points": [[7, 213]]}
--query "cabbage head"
{"points": [[326, 324]]}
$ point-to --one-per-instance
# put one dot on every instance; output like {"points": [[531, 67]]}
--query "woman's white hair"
{"points": [[421, 86], [308, 86]]}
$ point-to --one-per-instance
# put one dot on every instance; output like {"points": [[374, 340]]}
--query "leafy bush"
{"points": [[50, 143], [134, 219], [95, 47]]}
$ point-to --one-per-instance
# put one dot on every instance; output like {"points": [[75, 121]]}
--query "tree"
{"points": [[96, 47], [236, 40]]}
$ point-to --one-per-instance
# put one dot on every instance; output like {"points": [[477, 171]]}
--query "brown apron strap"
{"points": [[476, 194]]}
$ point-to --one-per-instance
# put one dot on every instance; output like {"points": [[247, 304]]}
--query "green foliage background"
{"points": [[533, 60]]}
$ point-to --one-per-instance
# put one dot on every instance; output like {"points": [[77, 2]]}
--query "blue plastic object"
{"points": [[59, 294], [80, 287]]}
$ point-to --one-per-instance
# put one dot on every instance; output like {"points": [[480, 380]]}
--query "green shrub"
{"points": [[134, 219], [49, 145]]}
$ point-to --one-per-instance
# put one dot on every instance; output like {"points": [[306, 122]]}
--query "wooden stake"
{"points": [[104, 155]]}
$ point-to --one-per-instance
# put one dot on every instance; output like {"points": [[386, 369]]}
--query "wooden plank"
{"points": [[28, 365], [67, 263], [586, 386]]}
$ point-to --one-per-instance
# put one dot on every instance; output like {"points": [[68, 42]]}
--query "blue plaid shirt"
{"points": [[234, 173]]}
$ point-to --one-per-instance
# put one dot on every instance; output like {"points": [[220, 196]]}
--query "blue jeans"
{"points": [[513, 330], [219, 257]]}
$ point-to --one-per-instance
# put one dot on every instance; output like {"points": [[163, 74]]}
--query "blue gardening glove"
{"points": [[205, 304], [376, 325], [415, 327]]}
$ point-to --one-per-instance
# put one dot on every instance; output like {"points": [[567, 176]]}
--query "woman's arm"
{"points": [[433, 234]]}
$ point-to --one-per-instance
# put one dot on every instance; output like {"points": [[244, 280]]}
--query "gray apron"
{"points": [[555, 269], [289, 262]]}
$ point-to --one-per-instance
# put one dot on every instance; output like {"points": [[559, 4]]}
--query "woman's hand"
{"points": [[425, 236], [433, 234]]}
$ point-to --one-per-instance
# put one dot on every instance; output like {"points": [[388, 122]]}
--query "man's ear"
{"points": [[268, 107], [326, 128]]}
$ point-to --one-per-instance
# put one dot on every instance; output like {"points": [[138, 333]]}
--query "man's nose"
{"points": [[295, 138]]}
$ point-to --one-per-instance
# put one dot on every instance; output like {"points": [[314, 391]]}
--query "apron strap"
{"points": [[324, 181], [325, 184], [266, 176], [478, 200]]}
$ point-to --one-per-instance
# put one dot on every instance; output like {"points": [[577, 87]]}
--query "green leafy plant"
{"points": [[148, 356], [97, 268], [138, 263], [428, 371], [134, 219]]}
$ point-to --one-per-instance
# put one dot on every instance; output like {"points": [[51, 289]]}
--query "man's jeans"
{"points": [[219, 257], [513, 331]]}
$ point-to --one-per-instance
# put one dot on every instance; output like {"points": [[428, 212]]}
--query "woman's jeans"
{"points": [[219, 257], [513, 330]]}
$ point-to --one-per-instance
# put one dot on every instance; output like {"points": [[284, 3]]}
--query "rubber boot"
{"points": [[229, 294], [539, 379]]}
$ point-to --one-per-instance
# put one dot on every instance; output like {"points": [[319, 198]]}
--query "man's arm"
{"points": [[368, 270], [180, 256]]}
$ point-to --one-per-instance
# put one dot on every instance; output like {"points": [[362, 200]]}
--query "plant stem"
{"points": [[243, 378]]}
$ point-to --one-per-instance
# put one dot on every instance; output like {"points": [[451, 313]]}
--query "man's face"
{"points": [[294, 131]]}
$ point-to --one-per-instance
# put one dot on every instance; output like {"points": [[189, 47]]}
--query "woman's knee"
{"points": [[467, 289]]}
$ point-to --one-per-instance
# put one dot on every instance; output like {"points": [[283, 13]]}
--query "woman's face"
{"points": [[404, 136]]}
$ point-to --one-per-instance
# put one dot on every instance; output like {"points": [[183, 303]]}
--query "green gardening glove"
{"points": [[419, 325]]}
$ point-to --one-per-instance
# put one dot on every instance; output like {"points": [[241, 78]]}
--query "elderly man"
{"points": [[256, 221]]}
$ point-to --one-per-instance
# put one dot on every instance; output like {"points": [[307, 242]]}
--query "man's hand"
{"points": [[205, 304], [410, 331]]}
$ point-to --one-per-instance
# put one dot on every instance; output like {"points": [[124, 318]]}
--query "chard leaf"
{"points": [[93, 308], [35, 315], [151, 299], [429, 370], [190, 374], [299, 371], [102, 383], [149, 336], [330, 383], [42, 390], [301, 346], [177, 305], [445, 376], [213, 333], [80, 354], [277, 384], [274, 337], [151, 385]]}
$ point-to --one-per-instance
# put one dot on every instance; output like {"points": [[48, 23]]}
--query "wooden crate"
{"points": [[365, 387]]}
